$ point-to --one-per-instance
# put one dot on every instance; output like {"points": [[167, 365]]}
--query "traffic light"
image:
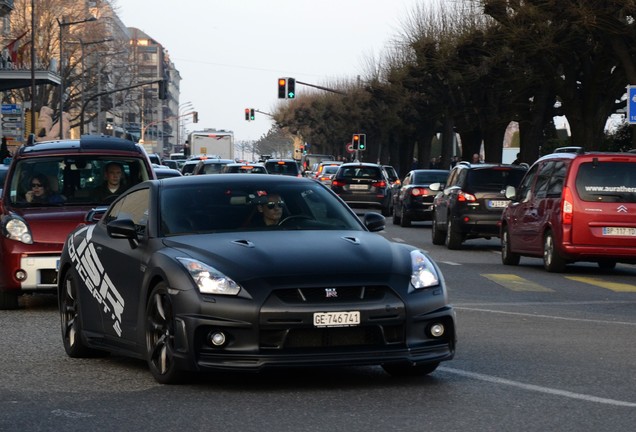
{"points": [[291, 88], [363, 142], [195, 117], [247, 114], [252, 114], [282, 88], [355, 141]]}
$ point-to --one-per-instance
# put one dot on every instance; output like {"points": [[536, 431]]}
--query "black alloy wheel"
{"points": [[70, 319], [160, 330]]}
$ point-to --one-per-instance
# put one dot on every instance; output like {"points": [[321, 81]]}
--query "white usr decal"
{"points": [[91, 272]]}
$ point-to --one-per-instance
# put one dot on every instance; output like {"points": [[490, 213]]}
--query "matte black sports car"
{"points": [[186, 274]]}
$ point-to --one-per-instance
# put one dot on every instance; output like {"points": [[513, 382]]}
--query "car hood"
{"points": [[52, 224], [262, 254]]}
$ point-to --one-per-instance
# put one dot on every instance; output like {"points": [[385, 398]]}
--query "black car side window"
{"points": [[133, 206]]}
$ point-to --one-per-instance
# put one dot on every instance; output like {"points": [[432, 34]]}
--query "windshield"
{"points": [[73, 180], [250, 207]]}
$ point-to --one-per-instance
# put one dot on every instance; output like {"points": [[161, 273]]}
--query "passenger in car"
{"points": [[40, 191], [113, 184]]}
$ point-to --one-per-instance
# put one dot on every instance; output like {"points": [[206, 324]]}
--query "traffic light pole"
{"points": [[320, 87]]}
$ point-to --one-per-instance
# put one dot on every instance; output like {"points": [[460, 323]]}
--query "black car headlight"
{"points": [[208, 279], [423, 272], [17, 229]]}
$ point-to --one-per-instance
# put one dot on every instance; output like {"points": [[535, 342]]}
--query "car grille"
{"points": [[332, 337], [330, 295]]}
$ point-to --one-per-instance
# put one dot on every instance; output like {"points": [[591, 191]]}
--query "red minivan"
{"points": [[570, 207], [48, 190]]}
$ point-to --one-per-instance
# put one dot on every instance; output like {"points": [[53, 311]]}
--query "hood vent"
{"points": [[245, 243], [353, 240]]}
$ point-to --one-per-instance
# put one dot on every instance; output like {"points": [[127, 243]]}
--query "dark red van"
{"points": [[573, 207], [48, 190]]}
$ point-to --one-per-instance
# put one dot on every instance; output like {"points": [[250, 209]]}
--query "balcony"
{"points": [[6, 7]]}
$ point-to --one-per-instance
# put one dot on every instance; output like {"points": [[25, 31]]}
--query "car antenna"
{"points": [[30, 139]]}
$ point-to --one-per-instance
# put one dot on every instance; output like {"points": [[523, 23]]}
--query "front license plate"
{"points": [[336, 319], [358, 187], [498, 204], [619, 231]]}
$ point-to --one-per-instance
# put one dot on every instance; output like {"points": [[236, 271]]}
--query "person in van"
{"points": [[40, 191], [113, 184]]}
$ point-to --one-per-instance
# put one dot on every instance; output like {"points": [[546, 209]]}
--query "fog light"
{"points": [[20, 275], [217, 338], [437, 330]]}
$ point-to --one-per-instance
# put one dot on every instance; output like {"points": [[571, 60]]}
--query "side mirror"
{"points": [[511, 193], [123, 229], [436, 187], [374, 221]]}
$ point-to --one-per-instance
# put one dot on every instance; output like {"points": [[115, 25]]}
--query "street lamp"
{"points": [[63, 24], [185, 105]]}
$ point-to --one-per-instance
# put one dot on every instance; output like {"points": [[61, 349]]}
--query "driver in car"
{"points": [[270, 211]]}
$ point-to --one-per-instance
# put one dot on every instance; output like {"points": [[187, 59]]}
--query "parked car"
{"points": [[364, 184], [573, 207], [68, 173], [287, 167], [413, 200], [245, 168], [210, 166], [215, 293], [470, 204]]}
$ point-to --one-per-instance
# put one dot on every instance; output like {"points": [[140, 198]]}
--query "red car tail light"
{"points": [[463, 196], [419, 191], [379, 184], [567, 206], [338, 183]]}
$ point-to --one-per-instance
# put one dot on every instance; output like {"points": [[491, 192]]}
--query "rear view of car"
{"points": [[413, 200], [363, 184], [283, 167], [470, 204], [573, 207]]}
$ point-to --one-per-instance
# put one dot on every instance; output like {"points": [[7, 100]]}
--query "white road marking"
{"points": [[451, 263], [536, 388], [545, 316]]}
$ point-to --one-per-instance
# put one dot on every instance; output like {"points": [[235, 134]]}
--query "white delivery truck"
{"points": [[211, 143]]}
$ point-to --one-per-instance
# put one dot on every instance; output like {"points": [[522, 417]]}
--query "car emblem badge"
{"points": [[331, 293], [621, 209]]}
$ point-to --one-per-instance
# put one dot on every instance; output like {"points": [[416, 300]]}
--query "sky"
{"points": [[230, 53]]}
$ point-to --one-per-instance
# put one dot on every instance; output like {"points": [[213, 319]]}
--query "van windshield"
{"points": [[607, 181], [70, 180]]}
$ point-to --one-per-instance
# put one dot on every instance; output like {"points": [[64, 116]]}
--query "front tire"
{"points": [[160, 334], [552, 261], [508, 257], [408, 370], [71, 320]]}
